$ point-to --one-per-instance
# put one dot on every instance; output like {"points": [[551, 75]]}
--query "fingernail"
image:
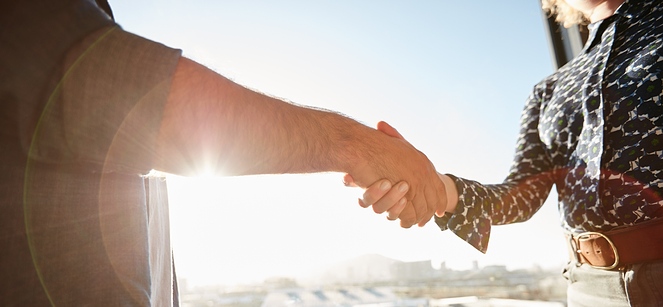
{"points": [[385, 185], [402, 201], [403, 187]]}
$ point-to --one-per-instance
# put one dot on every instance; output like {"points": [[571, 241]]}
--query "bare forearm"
{"points": [[212, 123]]}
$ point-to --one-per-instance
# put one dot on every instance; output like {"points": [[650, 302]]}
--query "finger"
{"points": [[420, 206], [389, 130], [407, 216], [395, 211], [362, 203], [428, 212], [391, 198], [348, 181], [426, 219], [376, 191], [436, 198]]}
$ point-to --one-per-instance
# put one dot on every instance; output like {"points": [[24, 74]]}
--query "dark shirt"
{"points": [[594, 129], [80, 109]]}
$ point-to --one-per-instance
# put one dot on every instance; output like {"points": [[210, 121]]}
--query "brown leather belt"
{"points": [[619, 247]]}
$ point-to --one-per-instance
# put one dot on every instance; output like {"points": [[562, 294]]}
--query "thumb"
{"points": [[389, 130], [348, 181]]}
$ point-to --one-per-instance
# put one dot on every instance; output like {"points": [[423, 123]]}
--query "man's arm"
{"points": [[212, 123]]}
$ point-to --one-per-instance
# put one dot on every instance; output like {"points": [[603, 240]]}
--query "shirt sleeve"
{"points": [[521, 194], [107, 106]]}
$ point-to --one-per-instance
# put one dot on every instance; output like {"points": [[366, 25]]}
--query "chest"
{"points": [[623, 73]]}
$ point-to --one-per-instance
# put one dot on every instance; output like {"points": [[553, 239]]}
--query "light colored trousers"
{"points": [[639, 285]]}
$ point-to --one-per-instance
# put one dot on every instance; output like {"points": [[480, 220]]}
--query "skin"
{"points": [[210, 122], [595, 10], [384, 198]]}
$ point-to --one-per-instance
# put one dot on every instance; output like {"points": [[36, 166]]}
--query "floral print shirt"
{"points": [[594, 129]]}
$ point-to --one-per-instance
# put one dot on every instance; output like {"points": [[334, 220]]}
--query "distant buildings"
{"points": [[413, 270], [374, 280], [385, 297], [350, 296]]}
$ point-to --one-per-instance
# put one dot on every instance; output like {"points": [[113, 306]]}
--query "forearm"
{"points": [[212, 123]]}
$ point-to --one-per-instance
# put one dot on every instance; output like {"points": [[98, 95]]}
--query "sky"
{"points": [[451, 76]]}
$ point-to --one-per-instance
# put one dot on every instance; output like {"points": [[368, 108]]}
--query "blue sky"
{"points": [[452, 76]]}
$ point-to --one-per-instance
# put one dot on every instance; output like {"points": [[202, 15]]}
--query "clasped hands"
{"points": [[413, 192]]}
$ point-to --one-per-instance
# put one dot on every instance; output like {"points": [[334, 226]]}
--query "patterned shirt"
{"points": [[594, 129]]}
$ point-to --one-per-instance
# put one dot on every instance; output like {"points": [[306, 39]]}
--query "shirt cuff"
{"points": [[468, 220]]}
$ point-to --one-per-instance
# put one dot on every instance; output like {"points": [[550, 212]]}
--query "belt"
{"points": [[620, 247]]}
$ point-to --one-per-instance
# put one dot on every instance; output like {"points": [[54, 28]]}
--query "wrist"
{"points": [[355, 151], [451, 191], [332, 142]]}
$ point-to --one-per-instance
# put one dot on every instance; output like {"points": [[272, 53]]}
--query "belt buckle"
{"points": [[586, 235], [575, 250]]}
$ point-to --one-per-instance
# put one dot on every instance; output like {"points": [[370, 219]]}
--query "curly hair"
{"points": [[565, 14]]}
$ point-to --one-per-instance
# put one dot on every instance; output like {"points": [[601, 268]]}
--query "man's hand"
{"points": [[426, 194], [214, 124]]}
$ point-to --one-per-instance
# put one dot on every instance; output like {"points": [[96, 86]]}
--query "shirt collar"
{"points": [[596, 31]]}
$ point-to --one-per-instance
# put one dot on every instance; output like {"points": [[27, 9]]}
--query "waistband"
{"points": [[620, 247]]}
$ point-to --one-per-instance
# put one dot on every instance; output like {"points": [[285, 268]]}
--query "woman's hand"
{"points": [[382, 196]]}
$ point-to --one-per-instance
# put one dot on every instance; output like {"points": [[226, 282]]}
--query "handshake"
{"points": [[243, 132], [417, 191]]}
